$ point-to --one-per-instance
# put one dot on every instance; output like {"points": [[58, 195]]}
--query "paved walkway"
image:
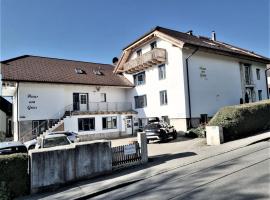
{"points": [[158, 164]]}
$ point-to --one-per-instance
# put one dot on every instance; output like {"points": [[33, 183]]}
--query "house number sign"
{"points": [[129, 149], [32, 102]]}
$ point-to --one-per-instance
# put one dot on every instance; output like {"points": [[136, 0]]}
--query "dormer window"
{"points": [[153, 45], [79, 71], [98, 72], [139, 52]]}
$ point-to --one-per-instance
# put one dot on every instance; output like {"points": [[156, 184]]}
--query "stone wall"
{"points": [[52, 167]]}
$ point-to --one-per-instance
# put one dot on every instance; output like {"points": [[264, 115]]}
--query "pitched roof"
{"points": [[52, 70], [207, 43]]}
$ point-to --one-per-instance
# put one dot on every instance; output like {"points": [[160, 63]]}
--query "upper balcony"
{"points": [[153, 57]]}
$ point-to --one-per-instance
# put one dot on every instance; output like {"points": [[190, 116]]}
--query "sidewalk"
{"points": [[157, 165]]}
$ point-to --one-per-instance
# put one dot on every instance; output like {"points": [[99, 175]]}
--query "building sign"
{"points": [[32, 102], [129, 149], [203, 73]]}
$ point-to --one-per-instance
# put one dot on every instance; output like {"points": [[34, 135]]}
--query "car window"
{"points": [[10, 150], [152, 126], [57, 141]]}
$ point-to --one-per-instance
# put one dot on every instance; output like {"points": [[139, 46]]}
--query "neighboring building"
{"points": [[86, 97], [185, 79], [5, 117]]}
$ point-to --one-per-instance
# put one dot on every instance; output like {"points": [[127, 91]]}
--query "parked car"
{"points": [[159, 131], [30, 144], [71, 135], [52, 140], [12, 147]]}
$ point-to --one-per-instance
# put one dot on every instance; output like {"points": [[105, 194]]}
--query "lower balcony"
{"points": [[99, 108], [149, 59]]}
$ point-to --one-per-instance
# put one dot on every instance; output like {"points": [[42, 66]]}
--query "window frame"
{"points": [[163, 72], [153, 45], [139, 52], [163, 98], [248, 73], [111, 120], [136, 81], [138, 100], [103, 98], [260, 95], [258, 74], [83, 126]]}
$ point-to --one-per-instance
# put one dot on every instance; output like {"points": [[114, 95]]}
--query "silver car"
{"points": [[52, 141]]}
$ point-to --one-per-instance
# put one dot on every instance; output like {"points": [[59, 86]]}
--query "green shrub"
{"points": [[14, 180], [196, 132], [243, 120]]}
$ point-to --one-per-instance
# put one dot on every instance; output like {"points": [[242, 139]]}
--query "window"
{"points": [[109, 122], [83, 98], [139, 79], [139, 52], [153, 45], [86, 124], [103, 97], [260, 95], [161, 72], [258, 74], [79, 71], [165, 119], [163, 97], [247, 75], [140, 101]]}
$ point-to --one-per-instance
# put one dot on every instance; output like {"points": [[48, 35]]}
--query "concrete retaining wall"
{"points": [[98, 136], [52, 167]]}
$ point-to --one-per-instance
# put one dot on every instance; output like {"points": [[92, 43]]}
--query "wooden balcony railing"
{"points": [[153, 57]]}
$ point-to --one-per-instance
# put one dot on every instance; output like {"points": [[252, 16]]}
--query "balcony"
{"points": [[149, 59], [99, 108]]}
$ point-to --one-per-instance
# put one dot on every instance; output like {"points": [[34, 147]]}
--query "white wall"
{"points": [[54, 98], [221, 82], [173, 83], [71, 124], [3, 121]]}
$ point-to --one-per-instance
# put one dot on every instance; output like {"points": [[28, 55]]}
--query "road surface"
{"points": [[239, 174]]}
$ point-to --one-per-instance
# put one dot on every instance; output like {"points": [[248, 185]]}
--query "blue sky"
{"points": [[97, 30]]}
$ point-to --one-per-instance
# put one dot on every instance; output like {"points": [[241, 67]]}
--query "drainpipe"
{"points": [[267, 89], [188, 85], [18, 129]]}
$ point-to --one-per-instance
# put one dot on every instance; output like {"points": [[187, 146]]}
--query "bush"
{"points": [[196, 132], [243, 120], [14, 180]]}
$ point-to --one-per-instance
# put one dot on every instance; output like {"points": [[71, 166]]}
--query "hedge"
{"points": [[14, 180], [243, 120]]}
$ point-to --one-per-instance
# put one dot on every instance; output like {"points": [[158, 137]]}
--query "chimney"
{"points": [[190, 32], [214, 37], [115, 61]]}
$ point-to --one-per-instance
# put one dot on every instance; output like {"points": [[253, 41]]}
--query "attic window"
{"points": [[79, 71], [98, 72]]}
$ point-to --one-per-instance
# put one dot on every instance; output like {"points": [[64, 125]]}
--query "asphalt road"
{"points": [[240, 174]]}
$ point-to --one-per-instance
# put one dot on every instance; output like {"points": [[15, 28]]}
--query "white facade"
{"points": [[214, 82]]}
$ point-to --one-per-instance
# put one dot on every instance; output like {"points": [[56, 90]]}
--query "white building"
{"points": [[177, 76], [184, 78], [86, 98]]}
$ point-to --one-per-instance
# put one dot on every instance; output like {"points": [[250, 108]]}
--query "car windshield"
{"points": [[55, 141], [152, 126]]}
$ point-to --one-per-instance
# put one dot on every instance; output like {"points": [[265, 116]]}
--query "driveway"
{"points": [[180, 145]]}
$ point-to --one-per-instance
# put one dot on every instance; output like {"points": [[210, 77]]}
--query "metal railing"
{"points": [[100, 107], [150, 58]]}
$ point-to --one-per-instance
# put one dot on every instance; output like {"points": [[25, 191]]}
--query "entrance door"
{"points": [[83, 102], [129, 126]]}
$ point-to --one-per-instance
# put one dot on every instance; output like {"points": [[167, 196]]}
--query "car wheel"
{"points": [[174, 135], [147, 141]]}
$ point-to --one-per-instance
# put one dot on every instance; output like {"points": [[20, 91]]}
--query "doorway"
{"points": [[129, 128]]}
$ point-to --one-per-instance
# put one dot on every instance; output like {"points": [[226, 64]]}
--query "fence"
{"points": [[126, 155]]}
